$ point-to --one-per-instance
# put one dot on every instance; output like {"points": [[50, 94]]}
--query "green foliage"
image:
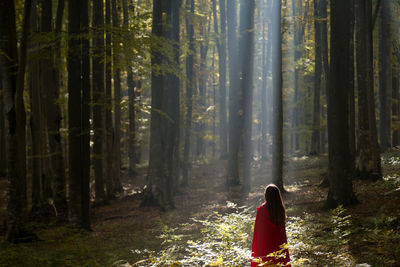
{"points": [[223, 241], [320, 241]]}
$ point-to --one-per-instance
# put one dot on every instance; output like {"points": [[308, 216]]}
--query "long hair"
{"points": [[274, 204]]}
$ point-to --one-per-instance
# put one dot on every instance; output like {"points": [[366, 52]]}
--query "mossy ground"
{"points": [[367, 234]]}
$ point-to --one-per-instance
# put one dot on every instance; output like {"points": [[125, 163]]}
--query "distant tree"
{"points": [[339, 172], [234, 96], [221, 47], [247, 28], [190, 83]]}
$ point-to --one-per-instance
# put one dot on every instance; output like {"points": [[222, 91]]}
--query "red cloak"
{"points": [[268, 238]]}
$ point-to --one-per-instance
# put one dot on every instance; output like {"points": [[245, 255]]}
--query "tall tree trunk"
{"points": [[247, 9], [368, 165], [13, 76], [234, 136], [108, 131], [277, 134], [98, 98], [155, 194], [85, 132], [35, 122], [315, 138], [78, 213], [395, 106], [190, 83], [339, 173], [351, 96], [221, 47], [385, 77], [116, 171], [54, 123], [131, 98], [3, 155]]}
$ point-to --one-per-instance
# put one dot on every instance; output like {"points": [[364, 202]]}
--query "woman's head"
{"points": [[275, 205]]}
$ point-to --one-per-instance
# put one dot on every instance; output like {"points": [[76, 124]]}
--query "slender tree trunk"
{"points": [[325, 65], [221, 47], [54, 123], [190, 83], [395, 106], [266, 45], [131, 98], [3, 155], [277, 134], [98, 98], [339, 173], [385, 79], [368, 165], [234, 133], [315, 138], [109, 130], [351, 96], [117, 107], [247, 26]]}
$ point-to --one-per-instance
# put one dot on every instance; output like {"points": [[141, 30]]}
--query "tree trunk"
{"points": [[78, 213], [234, 114], [54, 124], [325, 64], [385, 78], [13, 76], [221, 47], [315, 138], [108, 131], [98, 98], [247, 9], [351, 96], [131, 98], [277, 134], [368, 165], [339, 173], [116, 171], [189, 93]]}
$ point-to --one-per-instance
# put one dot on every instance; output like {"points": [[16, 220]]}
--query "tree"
{"points": [[368, 163], [117, 107], [234, 108], [277, 127], [247, 9], [190, 83], [385, 78], [221, 47], [315, 138], [339, 172], [78, 111], [98, 98], [12, 66]]}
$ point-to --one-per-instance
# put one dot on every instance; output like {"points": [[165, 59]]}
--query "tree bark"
{"points": [[277, 134], [98, 98], [368, 162], [116, 171], [385, 78], [339, 172], [190, 83], [13, 76], [234, 96], [221, 47], [247, 9]]}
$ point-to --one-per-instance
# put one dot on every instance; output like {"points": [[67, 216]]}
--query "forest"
{"points": [[144, 132]]}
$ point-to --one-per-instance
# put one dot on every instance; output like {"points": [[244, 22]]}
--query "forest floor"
{"points": [[214, 227]]}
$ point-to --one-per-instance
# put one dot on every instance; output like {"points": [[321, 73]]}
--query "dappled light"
{"points": [[200, 133]]}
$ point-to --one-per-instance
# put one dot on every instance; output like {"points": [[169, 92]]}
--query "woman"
{"points": [[269, 231]]}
